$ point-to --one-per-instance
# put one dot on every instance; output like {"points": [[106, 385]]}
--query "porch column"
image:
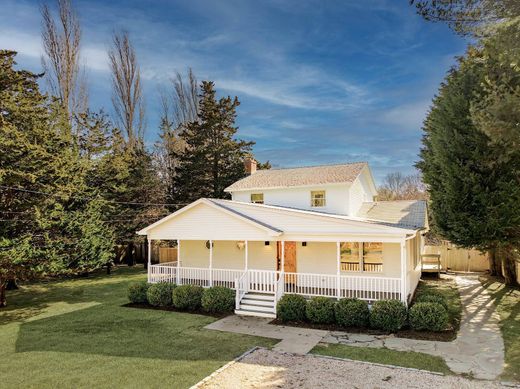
{"points": [[338, 270], [149, 258], [178, 281], [210, 263], [246, 264], [282, 267], [404, 298]]}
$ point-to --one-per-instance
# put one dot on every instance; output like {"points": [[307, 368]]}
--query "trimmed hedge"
{"points": [[428, 316], [388, 315], [218, 299], [160, 294], [291, 307], [187, 297], [429, 297], [137, 292], [351, 312], [320, 310]]}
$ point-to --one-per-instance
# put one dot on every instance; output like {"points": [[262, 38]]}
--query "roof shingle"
{"points": [[402, 213], [300, 176]]}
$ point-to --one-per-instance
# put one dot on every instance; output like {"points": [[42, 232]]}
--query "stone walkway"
{"points": [[478, 349]]}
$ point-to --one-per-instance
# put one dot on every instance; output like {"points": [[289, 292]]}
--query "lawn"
{"points": [[385, 356], [75, 333], [507, 301]]}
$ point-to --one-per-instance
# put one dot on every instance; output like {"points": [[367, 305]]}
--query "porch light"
{"points": [[241, 244], [304, 244], [207, 244], [267, 243]]}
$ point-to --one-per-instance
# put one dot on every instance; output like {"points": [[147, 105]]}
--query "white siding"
{"points": [[360, 192], [336, 198], [413, 249], [207, 222]]}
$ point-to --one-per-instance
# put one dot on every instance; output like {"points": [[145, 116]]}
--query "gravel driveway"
{"points": [[271, 369]]}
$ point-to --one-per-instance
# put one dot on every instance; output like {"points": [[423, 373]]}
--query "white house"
{"points": [[315, 231]]}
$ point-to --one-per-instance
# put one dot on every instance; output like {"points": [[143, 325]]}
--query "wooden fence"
{"points": [[457, 259], [167, 254]]}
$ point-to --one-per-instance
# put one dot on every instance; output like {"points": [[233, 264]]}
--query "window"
{"points": [[369, 259], [318, 198], [257, 198]]}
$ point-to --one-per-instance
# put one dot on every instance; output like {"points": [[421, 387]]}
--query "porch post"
{"points": [[246, 265], [338, 270], [149, 258], [210, 263], [282, 267], [404, 298], [178, 262]]}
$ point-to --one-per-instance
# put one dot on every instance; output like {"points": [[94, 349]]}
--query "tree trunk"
{"points": [[11, 285], [495, 267], [509, 265], [3, 300]]}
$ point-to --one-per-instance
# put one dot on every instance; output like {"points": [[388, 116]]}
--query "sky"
{"points": [[319, 82]]}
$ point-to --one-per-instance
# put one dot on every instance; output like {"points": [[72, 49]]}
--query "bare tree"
{"points": [[61, 62], [127, 95], [397, 186]]}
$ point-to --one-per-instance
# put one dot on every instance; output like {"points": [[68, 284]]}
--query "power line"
{"points": [[89, 198]]}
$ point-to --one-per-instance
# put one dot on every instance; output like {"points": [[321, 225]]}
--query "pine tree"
{"points": [[214, 157]]}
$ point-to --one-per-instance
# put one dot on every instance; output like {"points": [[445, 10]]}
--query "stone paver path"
{"points": [[478, 349]]}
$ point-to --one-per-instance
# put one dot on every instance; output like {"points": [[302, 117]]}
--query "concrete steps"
{"points": [[257, 304]]}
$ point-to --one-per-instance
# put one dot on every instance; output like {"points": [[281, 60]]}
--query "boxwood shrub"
{"points": [[187, 297], [218, 299], [351, 313], [428, 316], [388, 315], [137, 292], [291, 307], [160, 294], [320, 310], [429, 297]]}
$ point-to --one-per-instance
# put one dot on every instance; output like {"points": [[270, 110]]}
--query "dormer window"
{"points": [[257, 198], [318, 198]]}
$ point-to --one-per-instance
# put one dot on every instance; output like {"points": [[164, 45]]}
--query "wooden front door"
{"points": [[290, 257]]}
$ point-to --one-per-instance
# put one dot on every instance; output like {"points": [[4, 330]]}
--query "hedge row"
{"points": [[388, 315], [216, 299]]}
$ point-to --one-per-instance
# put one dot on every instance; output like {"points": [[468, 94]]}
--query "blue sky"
{"points": [[319, 81]]}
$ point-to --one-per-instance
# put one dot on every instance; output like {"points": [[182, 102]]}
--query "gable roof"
{"points": [[401, 213], [300, 176]]}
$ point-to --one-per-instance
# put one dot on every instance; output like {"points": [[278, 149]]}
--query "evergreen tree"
{"points": [[214, 157]]}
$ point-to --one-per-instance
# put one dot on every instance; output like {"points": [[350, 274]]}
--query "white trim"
{"points": [[178, 260], [282, 267], [290, 186], [149, 258], [246, 257], [338, 270], [404, 275], [210, 262]]}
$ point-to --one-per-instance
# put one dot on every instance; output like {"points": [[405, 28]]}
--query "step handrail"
{"points": [[279, 289], [241, 288]]}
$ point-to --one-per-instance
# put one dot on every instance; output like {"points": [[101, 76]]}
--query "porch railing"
{"points": [[241, 285], [368, 288]]}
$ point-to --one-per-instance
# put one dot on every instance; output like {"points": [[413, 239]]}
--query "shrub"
{"points": [[429, 297], [429, 316], [160, 294], [320, 310], [351, 313], [218, 299], [137, 292], [291, 307], [187, 297], [388, 315]]}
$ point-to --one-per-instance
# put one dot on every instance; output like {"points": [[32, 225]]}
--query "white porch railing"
{"points": [[267, 281], [241, 285]]}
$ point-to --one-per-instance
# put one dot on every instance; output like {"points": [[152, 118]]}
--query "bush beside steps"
{"points": [[191, 298]]}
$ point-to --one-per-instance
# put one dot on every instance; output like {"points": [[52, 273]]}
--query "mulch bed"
{"points": [[173, 309], [444, 336]]}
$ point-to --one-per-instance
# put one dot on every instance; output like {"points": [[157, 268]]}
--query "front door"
{"points": [[290, 257]]}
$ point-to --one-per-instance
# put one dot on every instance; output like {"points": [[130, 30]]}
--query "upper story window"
{"points": [[362, 256], [257, 198], [318, 198]]}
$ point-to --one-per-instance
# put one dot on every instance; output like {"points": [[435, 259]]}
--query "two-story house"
{"points": [[315, 231]]}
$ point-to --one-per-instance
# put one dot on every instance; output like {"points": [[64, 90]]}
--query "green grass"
{"points": [[445, 287], [385, 356], [75, 333], [507, 301]]}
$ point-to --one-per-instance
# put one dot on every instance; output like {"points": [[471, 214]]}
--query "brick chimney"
{"points": [[250, 165]]}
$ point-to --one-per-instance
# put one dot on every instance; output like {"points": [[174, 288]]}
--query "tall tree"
{"points": [[127, 95], [214, 157], [472, 181], [61, 62]]}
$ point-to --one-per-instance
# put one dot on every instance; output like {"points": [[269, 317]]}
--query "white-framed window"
{"points": [[361, 256], [257, 198], [318, 198]]}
